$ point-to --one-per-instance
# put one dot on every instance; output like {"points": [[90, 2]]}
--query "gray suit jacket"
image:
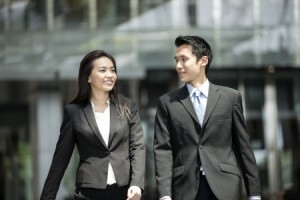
{"points": [[222, 146], [125, 150]]}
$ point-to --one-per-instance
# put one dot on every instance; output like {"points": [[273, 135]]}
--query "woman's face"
{"points": [[103, 75]]}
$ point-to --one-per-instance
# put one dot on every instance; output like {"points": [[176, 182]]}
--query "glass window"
{"points": [[254, 94], [284, 91], [288, 131], [254, 101], [74, 13], [255, 128], [159, 82]]}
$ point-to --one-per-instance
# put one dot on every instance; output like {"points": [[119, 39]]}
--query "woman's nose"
{"points": [[109, 73]]}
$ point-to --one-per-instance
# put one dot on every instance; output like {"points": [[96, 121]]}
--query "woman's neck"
{"points": [[100, 102]]}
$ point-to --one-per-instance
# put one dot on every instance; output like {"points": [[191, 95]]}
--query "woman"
{"points": [[106, 128]]}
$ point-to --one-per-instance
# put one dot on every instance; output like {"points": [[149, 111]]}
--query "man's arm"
{"points": [[244, 151], [163, 151]]}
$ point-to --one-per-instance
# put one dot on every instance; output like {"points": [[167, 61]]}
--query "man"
{"points": [[201, 145]]}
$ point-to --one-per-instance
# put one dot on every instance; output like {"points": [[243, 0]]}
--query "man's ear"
{"points": [[203, 61], [89, 80]]}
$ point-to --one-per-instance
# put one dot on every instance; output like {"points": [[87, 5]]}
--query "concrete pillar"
{"points": [[217, 18], [134, 12], [271, 127], [7, 16], [50, 14], [92, 14], [241, 89], [296, 141], [296, 9], [176, 6], [45, 118], [257, 31], [133, 89]]}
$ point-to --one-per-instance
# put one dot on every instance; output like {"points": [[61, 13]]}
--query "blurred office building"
{"points": [[256, 45]]}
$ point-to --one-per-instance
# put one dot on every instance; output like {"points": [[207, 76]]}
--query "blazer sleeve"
{"points": [[242, 144], [61, 158], [163, 151], [136, 148]]}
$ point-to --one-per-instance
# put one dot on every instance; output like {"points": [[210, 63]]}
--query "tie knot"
{"points": [[197, 93]]}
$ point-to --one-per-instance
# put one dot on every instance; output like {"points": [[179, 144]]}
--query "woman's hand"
{"points": [[134, 193]]}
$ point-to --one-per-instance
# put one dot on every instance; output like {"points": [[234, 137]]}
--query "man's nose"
{"points": [[178, 65]]}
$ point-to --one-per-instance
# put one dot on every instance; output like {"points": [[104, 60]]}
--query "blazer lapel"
{"points": [[213, 97], [186, 101], [89, 114], [114, 115]]}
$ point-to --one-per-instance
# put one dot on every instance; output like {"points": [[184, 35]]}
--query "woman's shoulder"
{"points": [[74, 106], [125, 98], [131, 103]]}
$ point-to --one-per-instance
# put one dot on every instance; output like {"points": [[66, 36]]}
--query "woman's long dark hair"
{"points": [[84, 90]]}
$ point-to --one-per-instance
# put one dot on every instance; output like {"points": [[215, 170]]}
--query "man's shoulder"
{"points": [[225, 89], [171, 94]]}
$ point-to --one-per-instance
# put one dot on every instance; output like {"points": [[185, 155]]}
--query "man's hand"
{"points": [[134, 193]]}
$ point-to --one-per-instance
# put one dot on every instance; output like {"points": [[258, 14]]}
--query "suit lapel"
{"points": [[213, 97], [113, 122], [186, 101], [89, 114]]}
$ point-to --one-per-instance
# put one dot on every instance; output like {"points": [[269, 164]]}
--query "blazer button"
{"points": [[200, 146], [107, 152]]}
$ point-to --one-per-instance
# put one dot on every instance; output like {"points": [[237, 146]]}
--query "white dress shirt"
{"points": [[203, 97], [203, 100], [103, 123]]}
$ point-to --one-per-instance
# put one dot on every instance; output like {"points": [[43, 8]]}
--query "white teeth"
{"points": [[108, 82]]}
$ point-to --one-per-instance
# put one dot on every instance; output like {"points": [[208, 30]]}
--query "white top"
{"points": [[103, 123]]}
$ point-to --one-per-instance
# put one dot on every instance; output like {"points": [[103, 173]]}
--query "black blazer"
{"points": [[222, 145], [125, 150]]}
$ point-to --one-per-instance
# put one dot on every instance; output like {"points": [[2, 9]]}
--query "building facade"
{"points": [[256, 50]]}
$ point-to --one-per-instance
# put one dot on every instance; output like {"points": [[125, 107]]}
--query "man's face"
{"points": [[187, 67]]}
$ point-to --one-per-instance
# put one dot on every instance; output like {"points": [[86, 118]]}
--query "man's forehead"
{"points": [[183, 50]]}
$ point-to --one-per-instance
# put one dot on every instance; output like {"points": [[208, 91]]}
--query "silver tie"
{"points": [[198, 107]]}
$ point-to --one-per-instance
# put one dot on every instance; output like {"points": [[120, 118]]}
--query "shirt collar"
{"points": [[204, 88], [93, 105]]}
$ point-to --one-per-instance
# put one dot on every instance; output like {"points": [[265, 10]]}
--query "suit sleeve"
{"points": [[137, 148], [163, 151], [61, 158], [244, 150]]}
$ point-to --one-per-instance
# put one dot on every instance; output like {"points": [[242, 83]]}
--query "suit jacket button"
{"points": [[107, 152], [200, 146]]}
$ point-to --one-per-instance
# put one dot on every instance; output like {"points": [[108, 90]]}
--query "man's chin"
{"points": [[182, 80]]}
